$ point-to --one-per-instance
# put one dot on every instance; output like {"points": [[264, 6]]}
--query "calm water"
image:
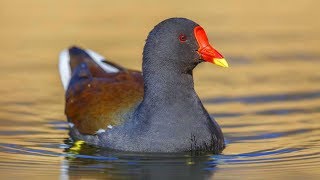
{"points": [[268, 102]]}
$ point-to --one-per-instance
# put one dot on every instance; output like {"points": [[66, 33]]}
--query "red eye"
{"points": [[182, 38]]}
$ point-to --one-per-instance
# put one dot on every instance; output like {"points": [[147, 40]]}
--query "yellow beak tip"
{"points": [[221, 62]]}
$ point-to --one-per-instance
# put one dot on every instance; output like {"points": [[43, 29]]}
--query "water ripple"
{"points": [[259, 99]]}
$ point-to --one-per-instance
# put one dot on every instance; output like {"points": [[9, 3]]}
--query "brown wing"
{"points": [[96, 99]]}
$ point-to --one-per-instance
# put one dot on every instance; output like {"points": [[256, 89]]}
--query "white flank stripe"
{"points": [[100, 131], [71, 125]]}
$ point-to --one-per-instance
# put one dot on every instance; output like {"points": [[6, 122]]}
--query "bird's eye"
{"points": [[182, 38]]}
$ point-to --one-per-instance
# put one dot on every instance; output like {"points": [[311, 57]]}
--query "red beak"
{"points": [[206, 51]]}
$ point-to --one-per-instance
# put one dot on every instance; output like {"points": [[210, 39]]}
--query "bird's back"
{"points": [[99, 94]]}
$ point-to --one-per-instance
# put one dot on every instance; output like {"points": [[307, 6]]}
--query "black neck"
{"points": [[163, 83], [170, 84], [168, 93]]}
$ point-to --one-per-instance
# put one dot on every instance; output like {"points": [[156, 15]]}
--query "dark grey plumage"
{"points": [[171, 117]]}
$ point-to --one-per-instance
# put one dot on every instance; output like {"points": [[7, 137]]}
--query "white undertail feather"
{"points": [[99, 60], [65, 69]]}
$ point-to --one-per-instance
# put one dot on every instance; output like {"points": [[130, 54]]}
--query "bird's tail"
{"points": [[70, 58]]}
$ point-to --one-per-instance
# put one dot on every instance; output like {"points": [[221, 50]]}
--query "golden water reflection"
{"points": [[268, 102]]}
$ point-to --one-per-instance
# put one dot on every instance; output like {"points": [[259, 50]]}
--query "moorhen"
{"points": [[157, 110]]}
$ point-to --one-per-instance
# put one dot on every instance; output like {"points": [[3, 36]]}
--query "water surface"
{"points": [[268, 102]]}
